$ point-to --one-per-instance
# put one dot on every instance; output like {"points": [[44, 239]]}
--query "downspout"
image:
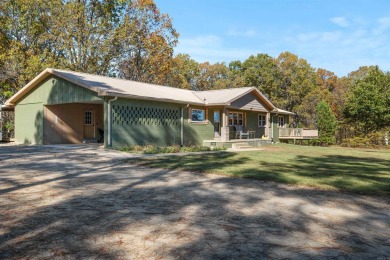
{"points": [[109, 120], [182, 125]]}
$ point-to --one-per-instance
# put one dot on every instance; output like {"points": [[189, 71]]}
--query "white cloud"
{"points": [[213, 49], [346, 50], [244, 33], [342, 50], [206, 40], [382, 25], [340, 21]]}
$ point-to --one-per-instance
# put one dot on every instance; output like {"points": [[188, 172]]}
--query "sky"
{"points": [[337, 35]]}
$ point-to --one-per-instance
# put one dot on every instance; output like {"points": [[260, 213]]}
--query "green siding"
{"points": [[29, 110], [138, 122], [29, 123], [195, 133], [253, 124], [55, 90]]}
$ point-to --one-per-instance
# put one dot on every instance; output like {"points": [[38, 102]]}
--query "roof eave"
{"points": [[33, 83], [113, 94], [7, 108], [259, 94], [283, 112]]}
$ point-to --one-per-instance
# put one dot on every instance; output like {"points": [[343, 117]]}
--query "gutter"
{"points": [[182, 125], [150, 98], [109, 121]]}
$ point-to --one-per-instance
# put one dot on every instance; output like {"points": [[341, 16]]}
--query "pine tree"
{"points": [[326, 123]]}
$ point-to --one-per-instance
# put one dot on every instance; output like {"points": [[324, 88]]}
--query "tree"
{"points": [[368, 102], [326, 79], [297, 81], [83, 34], [236, 77], [23, 47], [183, 73], [326, 123], [106, 37], [262, 72], [212, 76], [147, 40]]}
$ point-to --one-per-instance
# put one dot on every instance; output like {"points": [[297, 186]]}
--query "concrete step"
{"points": [[245, 147], [239, 145]]}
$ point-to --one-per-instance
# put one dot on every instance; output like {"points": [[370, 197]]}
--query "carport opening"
{"points": [[73, 123]]}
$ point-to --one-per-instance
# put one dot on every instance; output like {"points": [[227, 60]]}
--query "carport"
{"points": [[73, 123], [55, 108]]}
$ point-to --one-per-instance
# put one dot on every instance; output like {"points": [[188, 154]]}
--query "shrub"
{"points": [[132, 148], [151, 149], [323, 141], [169, 149], [154, 149], [195, 149], [374, 139]]}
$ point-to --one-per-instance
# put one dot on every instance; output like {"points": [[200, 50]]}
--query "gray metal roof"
{"points": [[107, 86], [222, 96]]}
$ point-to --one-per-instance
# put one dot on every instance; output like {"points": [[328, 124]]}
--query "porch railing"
{"points": [[298, 132]]}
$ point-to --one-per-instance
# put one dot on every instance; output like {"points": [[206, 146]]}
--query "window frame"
{"points": [[262, 122], [283, 121], [204, 115], [88, 117], [236, 118]]}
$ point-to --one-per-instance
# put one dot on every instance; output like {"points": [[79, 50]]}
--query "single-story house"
{"points": [[60, 107]]}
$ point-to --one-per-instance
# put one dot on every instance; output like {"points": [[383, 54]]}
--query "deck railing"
{"points": [[298, 133]]}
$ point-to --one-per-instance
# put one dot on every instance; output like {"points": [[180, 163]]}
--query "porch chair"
{"points": [[240, 132]]}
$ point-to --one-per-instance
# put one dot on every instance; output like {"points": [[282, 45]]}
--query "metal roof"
{"points": [[108, 86]]}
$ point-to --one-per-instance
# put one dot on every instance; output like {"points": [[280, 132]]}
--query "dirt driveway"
{"points": [[82, 202]]}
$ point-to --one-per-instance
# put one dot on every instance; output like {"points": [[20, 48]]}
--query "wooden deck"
{"points": [[297, 133], [235, 143]]}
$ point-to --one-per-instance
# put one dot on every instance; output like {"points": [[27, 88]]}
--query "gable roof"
{"points": [[227, 96], [107, 86]]}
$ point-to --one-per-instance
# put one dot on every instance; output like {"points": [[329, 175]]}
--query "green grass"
{"points": [[154, 149], [363, 171]]}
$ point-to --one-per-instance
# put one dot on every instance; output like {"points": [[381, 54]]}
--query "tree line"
{"points": [[134, 40]]}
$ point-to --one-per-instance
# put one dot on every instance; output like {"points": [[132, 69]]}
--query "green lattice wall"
{"points": [[144, 116]]}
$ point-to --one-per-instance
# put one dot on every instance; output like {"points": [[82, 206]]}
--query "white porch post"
{"points": [[268, 125]]}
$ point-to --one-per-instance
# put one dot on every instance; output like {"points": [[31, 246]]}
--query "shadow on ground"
{"points": [[345, 173], [77, 204]]}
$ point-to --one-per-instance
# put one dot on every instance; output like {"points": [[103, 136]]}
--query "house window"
{"points": [[236, 118], [198, 115], [262, 120], [88, 117], [281, 121]]}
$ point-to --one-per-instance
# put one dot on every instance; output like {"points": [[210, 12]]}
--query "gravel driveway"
{"points": [[84, 202]]}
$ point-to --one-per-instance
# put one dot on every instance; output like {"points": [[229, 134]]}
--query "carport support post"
{"points": [[106, 122]]}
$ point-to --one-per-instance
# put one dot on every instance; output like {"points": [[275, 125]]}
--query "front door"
{"points": [[217, 124], [89, 124]]}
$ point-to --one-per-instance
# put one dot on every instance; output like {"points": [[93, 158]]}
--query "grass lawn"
{"points": [[363, 171]]}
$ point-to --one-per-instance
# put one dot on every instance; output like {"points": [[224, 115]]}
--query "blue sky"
{"points": [[339, 36]]}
